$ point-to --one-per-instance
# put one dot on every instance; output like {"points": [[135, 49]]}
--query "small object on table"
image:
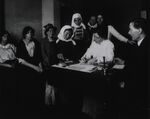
{"points": [[104, 66], [61, 64]]}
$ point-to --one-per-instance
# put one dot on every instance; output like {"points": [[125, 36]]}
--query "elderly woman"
{"points": [[65, 44], [80, 34], [78, 26]]}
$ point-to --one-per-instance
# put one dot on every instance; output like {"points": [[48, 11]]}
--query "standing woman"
{"points": [[30, 68], [79, 31], [91, 29], [49, 46], [66, 46], [49, 54]]}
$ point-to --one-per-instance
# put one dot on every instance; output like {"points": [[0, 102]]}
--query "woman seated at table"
{"points": [[30, 68], [65, 44], [7, 50], [101, 50], [29, 50], [7, 73]]}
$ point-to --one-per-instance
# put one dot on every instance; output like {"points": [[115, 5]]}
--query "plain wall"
{"points": [[36, 13], [21, 13], [51, 13], [116, 12], [2, 15], [47, 12]]}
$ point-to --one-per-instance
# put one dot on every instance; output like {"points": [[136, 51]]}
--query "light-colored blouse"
{"points": [[99, 50], [7, 52]]}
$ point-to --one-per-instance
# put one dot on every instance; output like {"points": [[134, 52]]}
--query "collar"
{"points": [[140, 41], [94, 26]]}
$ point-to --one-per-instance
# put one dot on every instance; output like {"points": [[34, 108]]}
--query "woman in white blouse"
{"points": [[101, 49], [7, 50]]}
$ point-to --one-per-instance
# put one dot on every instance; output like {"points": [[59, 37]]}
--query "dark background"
{"points": [[15, 14]]}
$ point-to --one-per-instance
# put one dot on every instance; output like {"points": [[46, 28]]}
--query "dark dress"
{"points": [[102, 30], [23, 53], [49, 52], [67, 49], [81, 39], [30, 84], [90, 32], [68, 96]]}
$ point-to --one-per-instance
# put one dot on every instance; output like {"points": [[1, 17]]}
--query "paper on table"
{"points": [[82, 67], [117, 66]]}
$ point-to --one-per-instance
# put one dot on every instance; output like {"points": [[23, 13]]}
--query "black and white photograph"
{"points": [[74, 59]]}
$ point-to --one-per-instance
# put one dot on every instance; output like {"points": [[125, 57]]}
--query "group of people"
{"points": [[79, 41], [89, 44], [135, 74], [21, 67]]}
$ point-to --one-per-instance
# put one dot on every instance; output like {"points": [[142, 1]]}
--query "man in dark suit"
{"points": [[135, 74], [137, 64]]}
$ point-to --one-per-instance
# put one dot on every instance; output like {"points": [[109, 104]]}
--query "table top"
{"points": [[85, 67]]}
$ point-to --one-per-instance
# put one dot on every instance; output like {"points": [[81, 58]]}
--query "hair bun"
{"points": [[48, 26]]}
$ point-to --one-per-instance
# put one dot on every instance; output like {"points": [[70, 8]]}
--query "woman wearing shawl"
{"points": [[66, 45], [79, 31]]}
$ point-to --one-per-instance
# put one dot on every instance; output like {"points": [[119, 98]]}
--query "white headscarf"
{"points": [[61, 35], [77, 15]]}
